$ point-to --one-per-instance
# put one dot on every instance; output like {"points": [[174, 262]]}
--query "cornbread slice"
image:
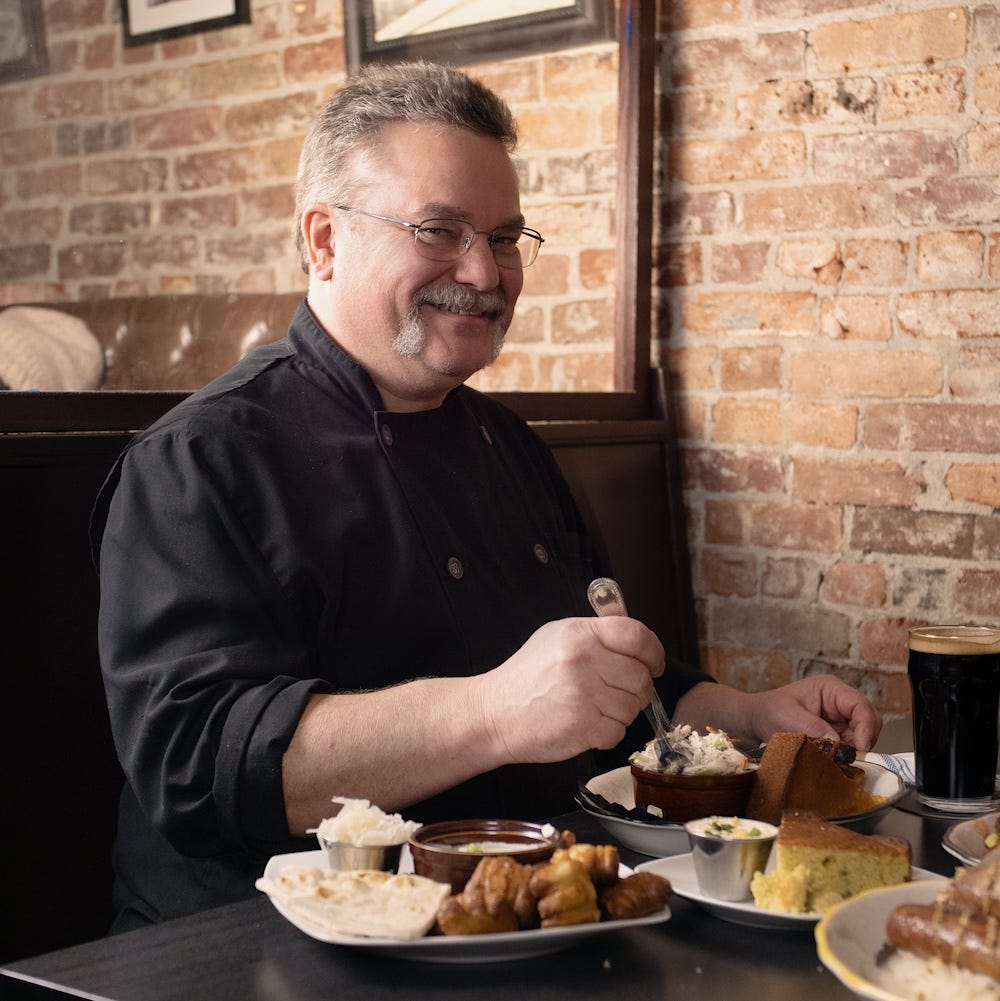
{"points": [[819, 864], [797, 772]]}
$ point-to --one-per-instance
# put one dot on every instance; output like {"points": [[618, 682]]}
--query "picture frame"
{"points": [[145, 21], [396, 30], [23, 52]]}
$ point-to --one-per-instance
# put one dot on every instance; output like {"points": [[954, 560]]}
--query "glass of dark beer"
{"points": [[955, 682]]}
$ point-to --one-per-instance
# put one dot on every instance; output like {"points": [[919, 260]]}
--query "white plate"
{"points": [[455, 948], [646, 839], [965, 840], [851, 935], [661, 840], [680, 871]]}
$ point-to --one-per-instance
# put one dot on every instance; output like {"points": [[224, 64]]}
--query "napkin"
{"points": [[901, 764]]}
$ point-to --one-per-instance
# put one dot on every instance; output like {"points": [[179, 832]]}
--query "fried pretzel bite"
{"points": [[601, 861], [566, 894], [459, 916], [499, 880], [635, 896]]}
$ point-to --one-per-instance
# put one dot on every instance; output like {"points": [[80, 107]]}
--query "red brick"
{"points": [[312, 60], [982, 143], [579, 372], [745, 369], [720, 471], [977, 483], [933, 427], [724, 522], [950, 257], [884, 155], [165, 249], [246, 75], [781, 626], [917, 533], [138, 174], [988, 88], [977, 593], [85, 260], [778, 103], [919, 37], [597, 268], [743, 313], [812, 206], [692, 368], [225, 167], [810, 527], [752, 157], [859, 584], [727, 573], [857, 317], [679, 264], [41, 183], [935, 92], [976, 374], [873, 374], [204, 212], [791, 578], [733, 60], [24, 261], [950, 201], [138, 92], [822, 425], [959, 313], [987, 538], [757, 422], [103, 218], [21, 225], [852, 481], [687, 14], [69, 15], [740, 263], [874, 262], [71, 100], [187, 127], [815, 260], [697, 213], [885, 641], [271, 117], [747, 670], [23, 146]]}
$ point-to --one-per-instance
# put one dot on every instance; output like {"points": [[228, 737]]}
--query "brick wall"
{"points": [[828, 256], [828, 266], [168, 167]]}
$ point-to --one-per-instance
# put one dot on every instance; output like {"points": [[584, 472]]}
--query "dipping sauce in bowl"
{"points": [[449, 851], [727, 852]]}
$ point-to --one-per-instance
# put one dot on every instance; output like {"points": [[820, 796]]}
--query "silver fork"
{"points": [[606, 598]]}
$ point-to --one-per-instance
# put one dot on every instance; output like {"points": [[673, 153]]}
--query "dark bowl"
{"points": [[689, 797], [445, 852]]}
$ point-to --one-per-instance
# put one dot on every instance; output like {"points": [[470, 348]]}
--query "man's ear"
{"points": [[318, 232]]}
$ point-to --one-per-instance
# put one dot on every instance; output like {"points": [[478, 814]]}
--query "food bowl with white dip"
{"points": [[361, 836], [727, 852], [449, 851]]}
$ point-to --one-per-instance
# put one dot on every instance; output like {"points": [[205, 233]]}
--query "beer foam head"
{"points": [[956, 640]]}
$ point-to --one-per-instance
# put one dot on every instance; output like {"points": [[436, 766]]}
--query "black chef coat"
{"points": [[279, 534]]}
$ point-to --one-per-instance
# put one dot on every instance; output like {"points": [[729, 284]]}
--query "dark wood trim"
{"points": [[634, 213]]}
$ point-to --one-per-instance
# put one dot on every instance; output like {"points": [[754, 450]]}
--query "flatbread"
{"points": [[359, 902]]}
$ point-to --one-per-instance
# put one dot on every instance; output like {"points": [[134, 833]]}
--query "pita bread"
{"points": [[359, 902]]}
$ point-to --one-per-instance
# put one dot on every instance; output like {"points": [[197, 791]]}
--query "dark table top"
{"points": [[249, 952]]}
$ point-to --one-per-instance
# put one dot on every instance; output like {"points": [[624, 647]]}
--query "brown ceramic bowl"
{"points": [[448, 852], [688, 797]]}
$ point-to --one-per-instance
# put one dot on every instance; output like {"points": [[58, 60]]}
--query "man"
{"points": [[338, 571]]}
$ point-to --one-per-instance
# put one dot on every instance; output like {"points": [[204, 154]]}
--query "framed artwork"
{"points": [[469, 31], [22, 40], [146, 21]]}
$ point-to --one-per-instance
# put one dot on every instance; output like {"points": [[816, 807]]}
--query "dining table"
{"points": [[248, 951]]}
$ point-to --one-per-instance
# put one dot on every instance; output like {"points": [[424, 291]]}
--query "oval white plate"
{"points": [[965, 840], [455, 948], [851, 935], [662, 840], [680, 871]]}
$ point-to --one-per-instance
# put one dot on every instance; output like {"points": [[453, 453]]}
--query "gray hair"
{"points": [[378, 96]]}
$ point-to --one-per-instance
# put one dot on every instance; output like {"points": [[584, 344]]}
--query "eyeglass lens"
{"points": [[448, 239]]}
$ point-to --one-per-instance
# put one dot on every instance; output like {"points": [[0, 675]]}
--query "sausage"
{"points": [[958, 937]]}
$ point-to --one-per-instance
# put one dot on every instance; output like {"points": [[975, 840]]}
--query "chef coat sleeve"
{"points": [[205, 665]]}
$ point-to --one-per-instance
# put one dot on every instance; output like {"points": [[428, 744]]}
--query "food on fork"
{"points": [[797, 772], [820, 864], [693, 753]]}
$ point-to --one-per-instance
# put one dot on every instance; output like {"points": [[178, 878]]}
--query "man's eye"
{"points": [[506, 240], [440, 233]]}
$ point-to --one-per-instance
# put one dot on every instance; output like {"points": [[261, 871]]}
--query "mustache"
{"points": [[459, 299]]}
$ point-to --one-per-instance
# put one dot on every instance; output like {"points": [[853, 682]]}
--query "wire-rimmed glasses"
{"points": [[448, 239]]}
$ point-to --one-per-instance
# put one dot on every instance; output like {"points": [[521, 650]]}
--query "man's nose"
{"points": [[477, 266]]}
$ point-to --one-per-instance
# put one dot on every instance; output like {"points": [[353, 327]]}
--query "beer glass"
{"points": [[955, 683]]}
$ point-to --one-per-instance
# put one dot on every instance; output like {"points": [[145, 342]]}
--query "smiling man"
{"points": [[338, 571]]}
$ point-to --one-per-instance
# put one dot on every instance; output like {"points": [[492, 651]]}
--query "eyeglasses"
{"points": [[448, 239]]}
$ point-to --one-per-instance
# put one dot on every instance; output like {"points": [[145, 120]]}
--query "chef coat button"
{"points": [[455, 567], [541, 553], [485, 432], [387, 434]]}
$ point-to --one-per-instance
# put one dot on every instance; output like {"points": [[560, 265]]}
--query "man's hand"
{"points": [[575, 684]]}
